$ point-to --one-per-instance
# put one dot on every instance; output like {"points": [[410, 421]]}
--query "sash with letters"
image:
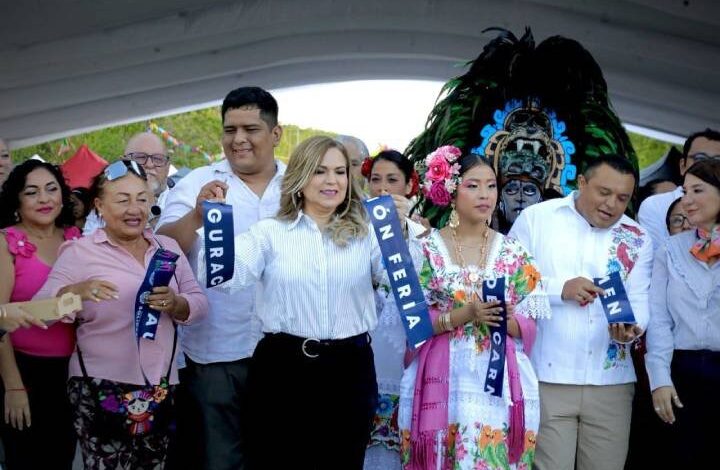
{"points": [[404, 282], [159, 273], [615, 302], [219, 242], [494, 289]]}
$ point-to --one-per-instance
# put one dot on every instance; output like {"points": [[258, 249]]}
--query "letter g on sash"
{"points": [[219, 242]]}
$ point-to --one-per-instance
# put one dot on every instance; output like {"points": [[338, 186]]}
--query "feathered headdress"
{"points": [[538, 114]]}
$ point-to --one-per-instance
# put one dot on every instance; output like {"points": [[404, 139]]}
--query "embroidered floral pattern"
{"points": [[616, 356], [447, 289], [385, 423], [624, 249]]}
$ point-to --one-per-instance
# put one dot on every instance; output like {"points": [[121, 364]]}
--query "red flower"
{"points": [[366, 167], [415, 182]]}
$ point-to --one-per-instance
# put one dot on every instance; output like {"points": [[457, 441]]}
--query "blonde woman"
{"points": [[312, 382]]}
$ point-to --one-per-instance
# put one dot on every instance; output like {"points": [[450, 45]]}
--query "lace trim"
{"points": [[535, 305]]}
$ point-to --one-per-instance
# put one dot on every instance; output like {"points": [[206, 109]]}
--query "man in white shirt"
{"points": [[218, 349], [586, 374], [700, 145], [149, 151]]}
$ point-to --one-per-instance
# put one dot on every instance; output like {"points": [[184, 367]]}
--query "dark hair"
{"points": [[471, 160], [255, 97], [13, 186], [650, 188], [393, 156], [709, 172], [83, 194], [99, 182], [669, 211], [614, 161], [709, 134]]}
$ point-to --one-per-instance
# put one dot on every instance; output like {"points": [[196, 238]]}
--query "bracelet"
{"points": [[446, 322], [15, 390]]}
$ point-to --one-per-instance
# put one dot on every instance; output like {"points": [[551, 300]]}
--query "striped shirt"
{"points": [[307, 285], [684, 306]]}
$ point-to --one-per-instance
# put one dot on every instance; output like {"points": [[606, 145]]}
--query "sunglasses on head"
{"points": [[121, 168]]}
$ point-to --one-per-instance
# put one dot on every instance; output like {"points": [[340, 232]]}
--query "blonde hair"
{"points": [[350, 220]]}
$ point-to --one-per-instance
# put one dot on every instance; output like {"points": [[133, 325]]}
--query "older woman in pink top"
{"points": [[121, 381], [36, 217]]}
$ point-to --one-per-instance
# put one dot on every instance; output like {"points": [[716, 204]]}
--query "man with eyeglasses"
{"points": [[147, 150], [699, 146]]}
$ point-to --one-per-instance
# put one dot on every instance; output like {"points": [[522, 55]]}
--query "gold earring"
{"points": [[454, 218]]}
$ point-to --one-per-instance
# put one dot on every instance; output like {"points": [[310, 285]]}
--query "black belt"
{"points": [[312, 347], [697, 354]]}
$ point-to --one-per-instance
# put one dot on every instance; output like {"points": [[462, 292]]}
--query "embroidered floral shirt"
{"points": [[574, 345]]}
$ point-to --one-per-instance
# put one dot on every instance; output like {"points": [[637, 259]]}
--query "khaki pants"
{"points": [[588, 421]]}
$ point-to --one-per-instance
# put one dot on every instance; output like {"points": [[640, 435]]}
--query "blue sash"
{"points": [[219, 242], [615, 301], [404, 282], [159, 273], [494, 289]]}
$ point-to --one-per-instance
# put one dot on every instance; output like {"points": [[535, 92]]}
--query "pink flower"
{"points": [[438, 169], [18, 244], [450, 152], [435, 283], [438, 195], [460, 452]]}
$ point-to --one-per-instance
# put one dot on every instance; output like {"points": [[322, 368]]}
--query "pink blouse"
{"points": [[30, 274], [106, 329]]}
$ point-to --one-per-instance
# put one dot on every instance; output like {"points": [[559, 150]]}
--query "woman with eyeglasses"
{"points": [[121, 374], [36, 217], [677, 220], [683, 358]]}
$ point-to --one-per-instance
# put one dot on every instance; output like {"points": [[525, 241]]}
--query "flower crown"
{"points": [[442, 175]]}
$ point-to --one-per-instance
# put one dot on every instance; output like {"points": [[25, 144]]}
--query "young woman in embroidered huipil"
{"points": [[447, 420], [388, 172]]}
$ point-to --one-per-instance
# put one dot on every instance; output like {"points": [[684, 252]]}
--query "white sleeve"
{"points": [[180, 200]]}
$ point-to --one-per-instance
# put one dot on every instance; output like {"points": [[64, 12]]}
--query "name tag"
{"points": [[615, 301], [404, 282], [219, 242], [494, 289]]}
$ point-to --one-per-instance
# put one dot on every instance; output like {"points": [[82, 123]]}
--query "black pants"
{"points": [[50, 440], [311, 413], [211, 409], [693, 436], [647, 431]]}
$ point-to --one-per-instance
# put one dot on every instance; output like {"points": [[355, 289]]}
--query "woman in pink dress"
{"points": [[36, 217]]}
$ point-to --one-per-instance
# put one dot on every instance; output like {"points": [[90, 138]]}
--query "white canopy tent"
{"points": [[70, 66]]}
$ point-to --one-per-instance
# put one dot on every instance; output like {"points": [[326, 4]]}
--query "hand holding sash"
{"points": [[487, 313], [214, 191], [580, 290]]}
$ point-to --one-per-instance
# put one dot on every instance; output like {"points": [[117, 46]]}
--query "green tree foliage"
{"points": [[203, 129], [648, 149], [200, 129]]}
